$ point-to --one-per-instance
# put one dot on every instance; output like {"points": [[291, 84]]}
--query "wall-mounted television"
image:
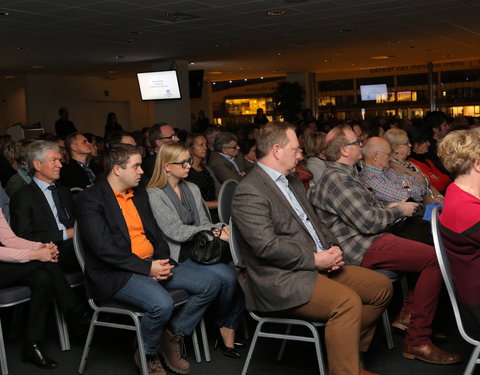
{"points": [[160, 85], [373, 92]]}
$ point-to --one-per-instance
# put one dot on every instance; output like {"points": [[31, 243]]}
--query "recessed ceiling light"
{"points": [[119, 57], [9, 77], [214, 83], [4, 13], [275, 13], [230, 81], [38, 67], [344, 30], [245, 79], [192, 62], [280, 54], [23, 48], [261, 77]]}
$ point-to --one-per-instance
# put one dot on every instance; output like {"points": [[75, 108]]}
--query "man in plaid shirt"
{"points": [[360, 222]]}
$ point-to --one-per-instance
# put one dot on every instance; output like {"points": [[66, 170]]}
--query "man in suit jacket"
{"points": [[77, 172], [34, 213], [128, 260], [292, 265], [226, 161]]}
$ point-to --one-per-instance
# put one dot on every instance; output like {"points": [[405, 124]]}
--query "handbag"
{"points": [[207, 248]]}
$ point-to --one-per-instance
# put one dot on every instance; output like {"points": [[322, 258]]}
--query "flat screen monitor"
{"points": [[161, 85], [373, 92]]}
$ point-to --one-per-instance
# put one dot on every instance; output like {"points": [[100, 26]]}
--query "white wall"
{"points": [[12, 102], [85, 99]]}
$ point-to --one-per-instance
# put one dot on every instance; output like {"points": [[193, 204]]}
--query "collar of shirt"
{"points": [[41, 184], [272, 173], [372, 169], [127, 195], [229, 158], [83, 165]]}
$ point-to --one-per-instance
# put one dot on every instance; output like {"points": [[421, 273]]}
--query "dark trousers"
{"points": [[399, 254], [46, 281]]}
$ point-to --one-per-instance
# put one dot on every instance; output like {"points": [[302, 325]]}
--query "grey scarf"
{"points": [[185, 207]]}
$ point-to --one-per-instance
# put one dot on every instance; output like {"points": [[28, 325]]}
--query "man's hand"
{"points": [[69, 232], [329, 260], [407, 208], [161, 269]]}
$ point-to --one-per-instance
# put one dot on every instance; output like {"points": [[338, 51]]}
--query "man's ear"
{"points": [[37, 164]]}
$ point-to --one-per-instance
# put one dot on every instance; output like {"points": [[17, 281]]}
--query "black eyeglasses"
{"points": [[183, 164], [357, 142]]}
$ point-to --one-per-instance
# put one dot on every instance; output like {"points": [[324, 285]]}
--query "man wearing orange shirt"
{"points": [[128, 260]]}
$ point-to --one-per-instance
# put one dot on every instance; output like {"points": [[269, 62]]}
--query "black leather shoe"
{"points": [[228, 352], [239, 343], [34, 354]]}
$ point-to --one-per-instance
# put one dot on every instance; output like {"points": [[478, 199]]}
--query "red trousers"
{"points": [[399, 254]]}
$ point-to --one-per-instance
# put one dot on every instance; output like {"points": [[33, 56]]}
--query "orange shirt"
{"points": [[141, 246]]}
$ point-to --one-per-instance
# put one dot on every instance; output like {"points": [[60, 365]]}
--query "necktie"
{"points": [[61, 212], [89, 172]]}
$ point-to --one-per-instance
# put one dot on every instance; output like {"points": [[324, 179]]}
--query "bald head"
{"points": [[376, 152]]}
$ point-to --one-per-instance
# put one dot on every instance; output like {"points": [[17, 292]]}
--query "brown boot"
{"points": [[173, 352], [431, 354], [402, 320], [154, 366]]}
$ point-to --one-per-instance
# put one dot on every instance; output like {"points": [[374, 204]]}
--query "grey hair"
{"points": [[223, 139], [36, 151]]}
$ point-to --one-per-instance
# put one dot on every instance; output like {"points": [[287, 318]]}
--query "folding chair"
{"points": [[444, 264]]}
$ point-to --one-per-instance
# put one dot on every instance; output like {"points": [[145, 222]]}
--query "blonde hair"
{"points": [[315, 144], [168, 153], [395, 137], [458, 150]]}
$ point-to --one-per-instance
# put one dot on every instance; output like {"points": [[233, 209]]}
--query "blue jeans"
{"points": [[229, 305], [151, 296]]}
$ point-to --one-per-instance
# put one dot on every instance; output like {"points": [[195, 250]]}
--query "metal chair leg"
{"points": [[3, 355], [388, 329]]}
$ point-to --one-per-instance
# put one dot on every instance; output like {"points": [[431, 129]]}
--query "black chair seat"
{"points": [[13, 295]]}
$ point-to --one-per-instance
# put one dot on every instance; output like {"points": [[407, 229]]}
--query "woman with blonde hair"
{"points": [[179, 211], [401, 149], [314, 147], [459, 152]]}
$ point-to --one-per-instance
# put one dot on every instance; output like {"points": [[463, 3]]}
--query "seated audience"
{"points": [[292, 265], [34, 264], [361, 224], [438, 124], [459, 152], [8, 165], [248, 149], [386, 183], [158, 135], [77, 173], [226, 161], [201, 174], [401, 149], [314, 148], [210, 135], [420, 157], [22, 177], [178, 208], [128, 260], [120, 137], [303, 174], [43, 210]]}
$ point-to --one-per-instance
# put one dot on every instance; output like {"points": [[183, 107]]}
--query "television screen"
{"points": [[159, 85], [373, 92]]}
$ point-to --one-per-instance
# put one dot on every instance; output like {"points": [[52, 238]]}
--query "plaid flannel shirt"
{"points": [[389, 186], [354, 215]]}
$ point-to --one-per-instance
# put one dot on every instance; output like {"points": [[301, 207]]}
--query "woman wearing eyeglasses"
{"points": [[179, 210], [401, 149]]}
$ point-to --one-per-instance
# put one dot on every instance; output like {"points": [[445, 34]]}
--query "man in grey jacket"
{"points": [[292, 264]]}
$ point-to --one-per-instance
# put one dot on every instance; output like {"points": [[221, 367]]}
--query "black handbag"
{"points": [[207, 248]]}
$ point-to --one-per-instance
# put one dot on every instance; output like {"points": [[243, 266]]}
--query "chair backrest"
{"points": [[225, 196], [207, 210], [444, 264], [234, 246], [78, 247]]}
